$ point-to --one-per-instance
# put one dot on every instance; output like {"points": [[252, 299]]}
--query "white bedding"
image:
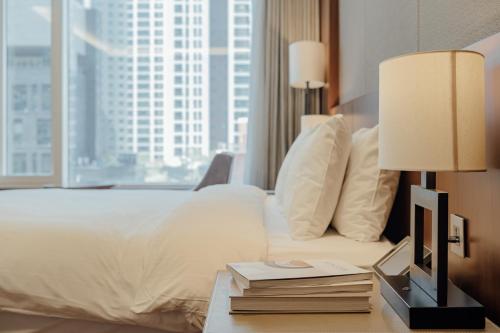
{"points": [[331, 245], [99, 255], [141, 257]]}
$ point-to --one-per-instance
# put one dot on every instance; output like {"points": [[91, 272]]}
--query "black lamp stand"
{"points": [[307, 101], [426, 299]]}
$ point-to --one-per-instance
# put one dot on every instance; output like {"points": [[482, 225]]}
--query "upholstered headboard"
{"points": [[363, 112]]}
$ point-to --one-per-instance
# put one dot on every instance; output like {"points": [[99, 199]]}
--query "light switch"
{"points": [[457, 229]]}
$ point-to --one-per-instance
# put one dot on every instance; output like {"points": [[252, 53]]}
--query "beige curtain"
{"points": [[275, 108]]}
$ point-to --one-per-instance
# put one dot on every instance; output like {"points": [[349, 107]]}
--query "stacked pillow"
{"points": [[310, 180], [368, 192], [315, 183]]}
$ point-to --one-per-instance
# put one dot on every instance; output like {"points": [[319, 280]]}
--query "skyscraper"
{"points": [[155, 88], [239, 32], [28, 90]]}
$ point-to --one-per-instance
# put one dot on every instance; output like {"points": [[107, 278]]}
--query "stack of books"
{"points": [[299, 287]]}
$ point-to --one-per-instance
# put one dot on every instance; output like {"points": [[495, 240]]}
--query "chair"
{"points": [[219, 171]]}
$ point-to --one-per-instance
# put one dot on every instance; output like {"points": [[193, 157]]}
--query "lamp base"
{"points": [[419, 311]]}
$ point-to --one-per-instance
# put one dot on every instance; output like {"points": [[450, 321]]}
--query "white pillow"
{"points": [[310, 181], [279, 189], [368, 192]]}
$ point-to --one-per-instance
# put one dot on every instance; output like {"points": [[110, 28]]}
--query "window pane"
{"points": [[28, 88], [150, 102]]}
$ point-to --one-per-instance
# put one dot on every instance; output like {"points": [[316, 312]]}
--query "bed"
{"points": [[128, 260], [330, 246], [110, 251]]}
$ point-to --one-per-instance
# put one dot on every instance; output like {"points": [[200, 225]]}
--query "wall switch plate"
{"points": [[457, 225]]}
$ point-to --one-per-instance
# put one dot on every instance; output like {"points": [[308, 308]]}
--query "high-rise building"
{"points": [[239, 31], [28, 91], [218, 83], [155, 88], [29, 116]]}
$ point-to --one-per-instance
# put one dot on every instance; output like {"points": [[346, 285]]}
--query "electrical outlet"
{"points": [[457, 225]]}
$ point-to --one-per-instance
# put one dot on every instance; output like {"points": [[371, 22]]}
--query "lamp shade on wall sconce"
{"points": [[432, 112], [307, 64]]}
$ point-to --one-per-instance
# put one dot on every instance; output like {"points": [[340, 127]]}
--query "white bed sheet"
{"points": [[136, 257], [154, 205], [330, 246], [104, 229]]}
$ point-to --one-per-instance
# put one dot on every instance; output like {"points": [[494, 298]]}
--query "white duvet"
{"points": [[138, 257]]}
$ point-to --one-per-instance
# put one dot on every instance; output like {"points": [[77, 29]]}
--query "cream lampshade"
{"points": [[307, 63], [432, 112], [431, 118], [306, 70]]}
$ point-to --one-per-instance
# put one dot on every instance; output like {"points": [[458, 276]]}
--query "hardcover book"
{"points": [[295, 273], [319, 303]]}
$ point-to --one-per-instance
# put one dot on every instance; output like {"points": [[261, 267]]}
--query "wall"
{"points": [[373, 30], [329, 35]]}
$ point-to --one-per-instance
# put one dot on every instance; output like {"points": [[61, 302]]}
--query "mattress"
{"points": [[331, 246]]}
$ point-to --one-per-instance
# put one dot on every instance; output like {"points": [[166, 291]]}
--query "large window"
{"points": [[151, 90]]}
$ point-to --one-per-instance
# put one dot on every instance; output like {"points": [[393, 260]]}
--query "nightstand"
{"points": [[381, 319]]}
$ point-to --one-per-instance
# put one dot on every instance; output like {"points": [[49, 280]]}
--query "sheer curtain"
{"points": [[275, 108]]}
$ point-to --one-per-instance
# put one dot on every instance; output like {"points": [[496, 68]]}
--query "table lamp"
{"points": [[307, 65], [431, 119]]}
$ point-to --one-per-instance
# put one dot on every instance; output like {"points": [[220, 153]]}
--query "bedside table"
{"points": [[381, 319]]}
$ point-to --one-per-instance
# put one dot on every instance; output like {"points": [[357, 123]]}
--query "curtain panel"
{"points": [[275, 107]]}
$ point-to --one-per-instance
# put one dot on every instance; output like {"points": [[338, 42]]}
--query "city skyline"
{"points": [[155, 88]]}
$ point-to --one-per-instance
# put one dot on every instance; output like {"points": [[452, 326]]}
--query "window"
{"points": [[20, 163], [242, 80], [242, 68], [242, 32], [136, 96], [240, 92], [240, 103], [242, 8], [43, 132], [242, 56], [20, 98], [27, 80], [242, 20], [241, 43]]}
